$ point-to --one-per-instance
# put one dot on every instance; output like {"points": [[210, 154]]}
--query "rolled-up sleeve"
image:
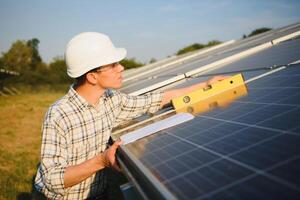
{"points": [[50, 176], [134, 106]]}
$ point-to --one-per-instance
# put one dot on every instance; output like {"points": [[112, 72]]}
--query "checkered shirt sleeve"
{"points": [[134, 106], [54, 156]]}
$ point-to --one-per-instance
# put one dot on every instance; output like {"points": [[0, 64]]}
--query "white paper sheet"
{"points": [[155, 127]]}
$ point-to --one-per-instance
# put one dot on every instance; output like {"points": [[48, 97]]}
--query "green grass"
{"points": [[21, 117]]}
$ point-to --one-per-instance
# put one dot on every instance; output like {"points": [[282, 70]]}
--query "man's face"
{"points": [[110, 76]]}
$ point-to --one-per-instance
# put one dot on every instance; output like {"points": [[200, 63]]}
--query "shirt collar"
{"points": [[75, 98], [80, 102], [108, 94]]}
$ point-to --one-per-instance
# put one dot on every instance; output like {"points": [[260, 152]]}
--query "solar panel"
{"points": [[250, 150], [278, 54], [282, 53]]}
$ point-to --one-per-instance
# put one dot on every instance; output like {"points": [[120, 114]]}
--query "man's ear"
{"points": [[91, 78]]}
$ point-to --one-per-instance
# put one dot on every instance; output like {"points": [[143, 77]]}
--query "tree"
{"points": [[190, 48], [1, 63], [130, 63], [152, 60], [259, 31], [197, 46], [35, 57], [24, 57], [213, 43], [57, 71], [18, 57]]}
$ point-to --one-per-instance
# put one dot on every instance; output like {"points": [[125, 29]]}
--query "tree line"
{"points": [[24, 57], [197, 46]]}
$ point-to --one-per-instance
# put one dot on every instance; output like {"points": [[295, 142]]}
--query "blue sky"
{"points": [[147, 29]]}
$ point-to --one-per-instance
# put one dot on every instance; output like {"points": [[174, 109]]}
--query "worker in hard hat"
{"points": [[77, 127]]}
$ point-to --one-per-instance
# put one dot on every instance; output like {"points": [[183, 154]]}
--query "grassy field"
{"points": [[20, 137]]}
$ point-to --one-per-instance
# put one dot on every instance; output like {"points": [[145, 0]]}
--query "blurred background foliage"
{"points": [[24, 57]]}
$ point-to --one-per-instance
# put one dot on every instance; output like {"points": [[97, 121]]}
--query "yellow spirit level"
{"points": [[221, 100], [194, 97]]}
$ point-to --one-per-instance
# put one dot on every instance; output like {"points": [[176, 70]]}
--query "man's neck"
{"points": [[90, 93]]}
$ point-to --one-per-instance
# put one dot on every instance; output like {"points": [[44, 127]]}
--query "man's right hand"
{"points": [[77, 173], [109, 156]]}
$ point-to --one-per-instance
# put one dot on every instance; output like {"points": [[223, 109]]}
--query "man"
{"points": [[77, 127]]}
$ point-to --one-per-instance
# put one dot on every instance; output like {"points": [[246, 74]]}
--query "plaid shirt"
{"points": [[75, 131]]}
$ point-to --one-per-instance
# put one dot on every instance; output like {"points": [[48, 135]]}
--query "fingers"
{"points": [[111, 155], [115, 146], [117, 143]]}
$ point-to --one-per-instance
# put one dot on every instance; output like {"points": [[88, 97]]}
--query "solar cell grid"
{"points": [[269, 189], [271, 152], [247, 150]]}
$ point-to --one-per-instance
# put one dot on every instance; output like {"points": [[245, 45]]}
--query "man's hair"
{"points": [[82, 79]]}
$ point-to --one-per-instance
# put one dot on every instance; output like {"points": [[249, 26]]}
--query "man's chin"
{"points": [[116, 86]]}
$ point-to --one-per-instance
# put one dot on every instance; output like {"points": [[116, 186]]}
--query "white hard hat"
{"points": [[89, 50]]}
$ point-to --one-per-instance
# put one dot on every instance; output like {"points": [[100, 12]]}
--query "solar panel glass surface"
{"points": [[249, 150]]}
